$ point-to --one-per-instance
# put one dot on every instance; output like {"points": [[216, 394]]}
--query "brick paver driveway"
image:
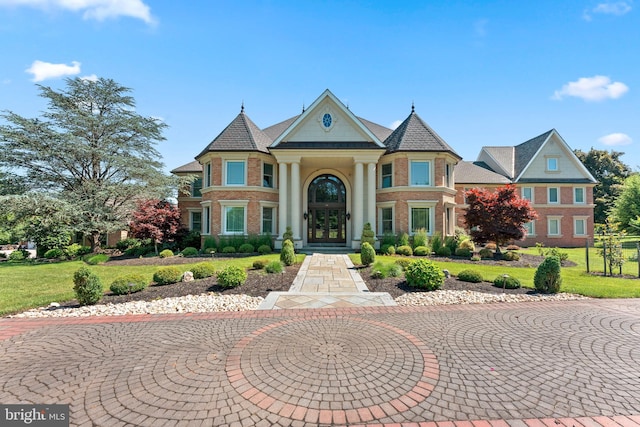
{"points": [[572, 363]]}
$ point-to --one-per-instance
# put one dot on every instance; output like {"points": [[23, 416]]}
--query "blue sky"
{"points": [[479, 72]]}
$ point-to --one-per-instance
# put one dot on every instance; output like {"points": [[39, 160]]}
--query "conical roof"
{"points": [[415, 135], [240, 135]]}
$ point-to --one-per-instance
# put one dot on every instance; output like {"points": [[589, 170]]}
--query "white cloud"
{"points": [[46, 70], [618, 8], [93, 9], [615, 139], [594, 88], [395, 124], [91, 78]]}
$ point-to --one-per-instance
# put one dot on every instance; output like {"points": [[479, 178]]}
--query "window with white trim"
{"points": [[207, 175], [386, 220], [206, 220], [235, 172], [530, 227], [195, 221], [552, 164], [267, 175], [234, 219], [448, 175], [267, 220], [386, 173], [579, 227], [196, 187], [527, 193], [579, 195], [553, 226], [420, 173], [553, 195], [420, 218]]}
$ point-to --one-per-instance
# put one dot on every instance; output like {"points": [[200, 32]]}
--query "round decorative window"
{"points": [[326, 120]]}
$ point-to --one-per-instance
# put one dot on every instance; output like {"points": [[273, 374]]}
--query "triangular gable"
{"points": [[500, 159], [554, 137], [308, 124]]}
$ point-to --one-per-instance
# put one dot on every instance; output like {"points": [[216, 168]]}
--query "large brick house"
{"points": [[326, 172]]}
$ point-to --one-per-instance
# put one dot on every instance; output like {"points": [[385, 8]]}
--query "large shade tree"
{"points": [[626, 212], [90, 149], [610, 172], [497, 216]]}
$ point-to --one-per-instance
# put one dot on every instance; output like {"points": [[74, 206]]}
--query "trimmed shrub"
{"points": [[368, 235], [443, 251], [259, 264], [167, 275], [463, 252], [287, 254], [424, 274], [403, 240], [209, 244], [18, 255], [264, 249], [209, 251], [367, 254], [87, 286], [421, 251], [128, 284], [404, 262], [547, 278], [287, 235], [404, 250], [467, 244], [189, 252], [470, 276], [96, 259], [436, 243], [54, 253], [246, 248], [232, 277], [506, 282], [228, 250], [274, 267], [391, 250], [475, 258], [202, 270], [384, 248], [513, 248], [75, 250], [485, 253], [419, 238], [491, 246], [511, 256], [167, 253], [125, 244]]}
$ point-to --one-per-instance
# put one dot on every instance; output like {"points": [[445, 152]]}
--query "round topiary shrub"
{"points": [[463, 252], [167, 253], [128, 284], [506, 282], [202, 270], [264, 249], [228, 250], [189, 251], [404, 262], [232, 277], [367, 254], [259, 264], [443, 251], [287, 254], [547, 278], [18, 255], [404, 250], [470, 276], [485, 253], [511, 256], [167, 275], [475, 258], [273, 267], [368, 235], [246, 248], [424, 274], [87, 287], [421, 251], [388, 249], [54, 253], [467, 244]]}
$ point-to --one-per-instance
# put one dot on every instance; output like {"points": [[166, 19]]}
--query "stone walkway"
{"points": [[571, 363], [327, 281]]}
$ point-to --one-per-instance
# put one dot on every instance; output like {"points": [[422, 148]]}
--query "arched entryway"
{"points": [[327, 210]]}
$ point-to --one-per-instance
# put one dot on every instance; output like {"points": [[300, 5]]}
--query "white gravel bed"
{"points": [[441, 297], [188, 304]]}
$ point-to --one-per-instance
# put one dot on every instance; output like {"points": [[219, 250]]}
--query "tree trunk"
{"points": [[95, 241]]}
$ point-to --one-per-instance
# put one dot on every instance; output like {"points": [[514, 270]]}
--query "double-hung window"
{"points": [[580, 227], [207, 175], [234, 219], [196, 188], [420, 218], [578, 195], [267, 175], [387, 175], [196, 221], [554, 195], [553, 226], [267, 220], [420, 173], [527, 193]]}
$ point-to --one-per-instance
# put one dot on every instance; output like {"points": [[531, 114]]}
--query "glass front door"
{"points": [[327, 210]]}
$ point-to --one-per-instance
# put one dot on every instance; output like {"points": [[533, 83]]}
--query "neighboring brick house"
{"points": [[325, 173], [546, 172]]}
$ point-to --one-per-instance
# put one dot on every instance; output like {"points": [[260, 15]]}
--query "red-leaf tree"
{"points": [[497, 217], [155, 219]]}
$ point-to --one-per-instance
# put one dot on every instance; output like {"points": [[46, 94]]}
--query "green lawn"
{"points": [[574, 279], [24, 286]]}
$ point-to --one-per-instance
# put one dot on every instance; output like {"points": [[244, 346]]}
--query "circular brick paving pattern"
{"points": [[346, 369]]}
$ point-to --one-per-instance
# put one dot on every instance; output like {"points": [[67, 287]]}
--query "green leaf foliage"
{"points": [[167, 275], [128, 284], [232, 277], [627, 206], [202, 270], [424, 274], [87, 287], [471, 276], [547, 278], [287, 254], [367, 254]]}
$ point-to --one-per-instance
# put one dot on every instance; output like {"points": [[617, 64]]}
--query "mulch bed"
{"points": [[259, 283]]}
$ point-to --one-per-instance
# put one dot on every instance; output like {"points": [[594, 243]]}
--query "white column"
{"points": [[283, 208], [295, 200], [357, 203], [371, 195]]}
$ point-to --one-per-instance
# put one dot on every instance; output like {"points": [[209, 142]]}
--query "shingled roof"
{"points": [[192, 167], [276, 130], [477, 173], [415, 135], [525, 151], [240, 135]]}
